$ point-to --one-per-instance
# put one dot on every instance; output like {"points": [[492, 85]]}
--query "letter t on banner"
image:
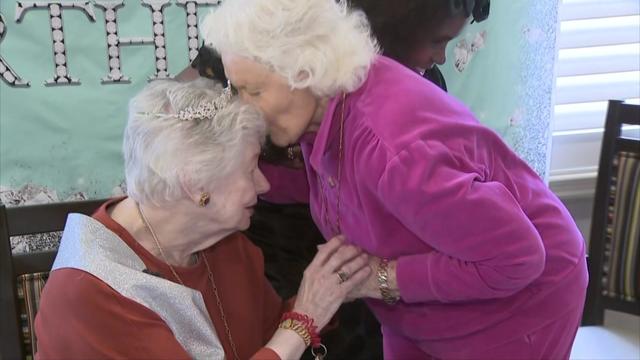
{"points": [[193, 35], [115, 42], [61, 76]]}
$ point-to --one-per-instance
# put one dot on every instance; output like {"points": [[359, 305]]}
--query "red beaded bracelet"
{"points": [[307, 321]]}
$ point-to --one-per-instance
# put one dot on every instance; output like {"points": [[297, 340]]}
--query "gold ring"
{"points": [[343, 276]]}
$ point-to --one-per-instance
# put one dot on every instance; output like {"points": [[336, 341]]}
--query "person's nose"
{"points": [[440, 56]]}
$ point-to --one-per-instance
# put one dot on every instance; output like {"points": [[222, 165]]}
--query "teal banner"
{"points": [[68, 69]]}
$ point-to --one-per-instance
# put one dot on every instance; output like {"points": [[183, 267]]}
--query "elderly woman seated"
{"points": [[165, 272]]}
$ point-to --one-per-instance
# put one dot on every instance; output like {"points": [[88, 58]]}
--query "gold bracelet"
{"points": [[298, 328], [383, 283]]}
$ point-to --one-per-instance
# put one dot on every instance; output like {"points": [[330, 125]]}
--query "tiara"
{"points": [[206, 110]]}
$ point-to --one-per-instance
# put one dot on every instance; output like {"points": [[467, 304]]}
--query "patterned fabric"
{"points": [[29, 289], [621, 278], [503, 69]]}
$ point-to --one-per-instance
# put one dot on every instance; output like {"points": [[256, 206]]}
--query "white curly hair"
{"points": [[322, 45], [161, 150]]}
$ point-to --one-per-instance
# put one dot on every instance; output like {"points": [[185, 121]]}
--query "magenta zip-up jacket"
{"points": [[486, 252]]}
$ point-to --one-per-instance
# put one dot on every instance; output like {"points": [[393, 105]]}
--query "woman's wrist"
{"points": [[303, 325], [393, 277], [295, 325], [298, 328], [386, 276], [287, 344]]}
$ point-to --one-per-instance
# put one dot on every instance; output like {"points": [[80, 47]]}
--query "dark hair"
{"points": [[209, 64], [399, 25]]}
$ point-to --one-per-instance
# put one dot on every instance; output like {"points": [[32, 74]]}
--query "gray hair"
{"points": [[161, 150], [318, 44]]}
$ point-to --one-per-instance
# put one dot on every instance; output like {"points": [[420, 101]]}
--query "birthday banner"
{"points": [[69, 68]]}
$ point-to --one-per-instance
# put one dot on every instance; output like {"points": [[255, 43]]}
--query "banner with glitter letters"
{"points": [[68, 69]]}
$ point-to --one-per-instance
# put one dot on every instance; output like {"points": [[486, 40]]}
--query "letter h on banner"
{"points": [[115, 42]]}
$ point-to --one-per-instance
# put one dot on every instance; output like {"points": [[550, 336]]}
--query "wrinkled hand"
{"points": [[321, 291]]}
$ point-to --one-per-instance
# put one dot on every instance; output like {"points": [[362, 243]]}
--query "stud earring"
{"points": [[204, 199]]}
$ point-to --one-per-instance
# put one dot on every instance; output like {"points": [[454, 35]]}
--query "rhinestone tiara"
{"points": [[206, 110]]}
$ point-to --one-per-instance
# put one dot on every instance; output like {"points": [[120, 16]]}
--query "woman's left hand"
{"points": [[370, 288]]}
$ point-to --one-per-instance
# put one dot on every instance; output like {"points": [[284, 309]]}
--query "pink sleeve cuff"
{"points": [[413, 278]]}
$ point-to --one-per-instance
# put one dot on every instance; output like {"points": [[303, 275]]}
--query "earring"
{"points": [[204, 199]]}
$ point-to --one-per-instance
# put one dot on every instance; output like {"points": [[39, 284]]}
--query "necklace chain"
{"points": [[210, 276], [224, 318], [155, 238], [337, 228]]}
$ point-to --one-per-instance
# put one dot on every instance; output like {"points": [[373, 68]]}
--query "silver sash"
{"points": [[89, 246]]}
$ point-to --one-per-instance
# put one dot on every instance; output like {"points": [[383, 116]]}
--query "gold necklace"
{"points": [[224, 318], [325, 198], [155, 238], [210, 276]]}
